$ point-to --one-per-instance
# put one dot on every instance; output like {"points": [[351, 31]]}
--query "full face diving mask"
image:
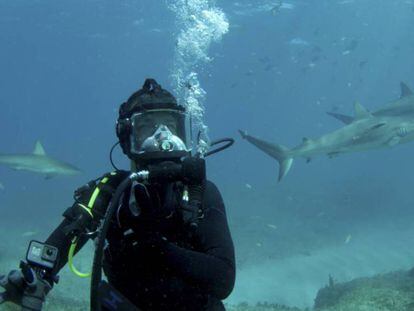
{"points": [[160, 131]]}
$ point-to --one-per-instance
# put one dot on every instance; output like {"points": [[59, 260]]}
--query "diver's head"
{"points": [[152, 126]]}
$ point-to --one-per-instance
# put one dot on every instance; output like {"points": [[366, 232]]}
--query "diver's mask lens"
{"points": [[163, 130]]}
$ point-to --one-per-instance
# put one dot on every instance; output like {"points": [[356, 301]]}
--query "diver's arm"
{"points": [[84, 216], [213, 267], [76, 222], [62, 241]]}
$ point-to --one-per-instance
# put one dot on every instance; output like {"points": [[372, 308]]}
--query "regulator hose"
{"points": [[99, 249], [228, 142]]}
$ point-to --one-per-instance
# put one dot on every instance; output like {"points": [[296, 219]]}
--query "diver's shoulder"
{"points": [[107, 182], [107, 178], [211, 187], [115, 174], [113, 178]]}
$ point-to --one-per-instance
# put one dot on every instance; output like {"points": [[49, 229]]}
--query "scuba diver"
{"points": [[160, 230]]}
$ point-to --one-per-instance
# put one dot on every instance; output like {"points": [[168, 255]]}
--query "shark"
{"points": [[366, 132], [38, 162], [403, 106]]}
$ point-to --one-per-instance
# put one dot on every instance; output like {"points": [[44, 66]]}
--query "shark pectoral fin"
{"points": [[361, 112], [405, 90], [49, 176], [394, 141]]}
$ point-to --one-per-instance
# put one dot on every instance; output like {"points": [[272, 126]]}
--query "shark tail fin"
{"points": [[278, 152], [284, 166]]}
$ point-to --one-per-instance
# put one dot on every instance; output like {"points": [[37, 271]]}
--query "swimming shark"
{"points": [[403, 106], [365, 132], [38, 162]]}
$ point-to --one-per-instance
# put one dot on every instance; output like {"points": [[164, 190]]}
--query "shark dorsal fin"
{"points": [[39, 150], [405, 90], [361, 112]]}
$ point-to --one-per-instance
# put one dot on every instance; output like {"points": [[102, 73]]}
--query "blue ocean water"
{"points": [[66, 66]]}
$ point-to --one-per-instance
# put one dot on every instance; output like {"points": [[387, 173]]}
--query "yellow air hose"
{"points": [[74, 243]]}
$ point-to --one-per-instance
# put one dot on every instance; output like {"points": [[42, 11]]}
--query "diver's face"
{"points": [[149, 123]]}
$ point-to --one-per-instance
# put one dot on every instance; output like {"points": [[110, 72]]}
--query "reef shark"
{"points": [[404, 106], [38, 162], [365, 132]]}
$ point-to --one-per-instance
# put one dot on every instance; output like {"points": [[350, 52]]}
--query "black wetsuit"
{"points": [[155, 259]]}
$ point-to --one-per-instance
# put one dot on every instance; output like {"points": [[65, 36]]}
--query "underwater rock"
{"points": [[388, 292], [260, 307]]}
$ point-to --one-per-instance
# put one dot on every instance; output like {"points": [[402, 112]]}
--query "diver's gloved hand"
{"points": [[150, 243], [25, 288], [13, 283]]}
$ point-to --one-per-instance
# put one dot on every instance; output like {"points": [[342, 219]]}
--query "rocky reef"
{"points": [[388, 292]]}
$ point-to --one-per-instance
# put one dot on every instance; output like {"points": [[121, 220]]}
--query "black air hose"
{"points": [[99, 249]]}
